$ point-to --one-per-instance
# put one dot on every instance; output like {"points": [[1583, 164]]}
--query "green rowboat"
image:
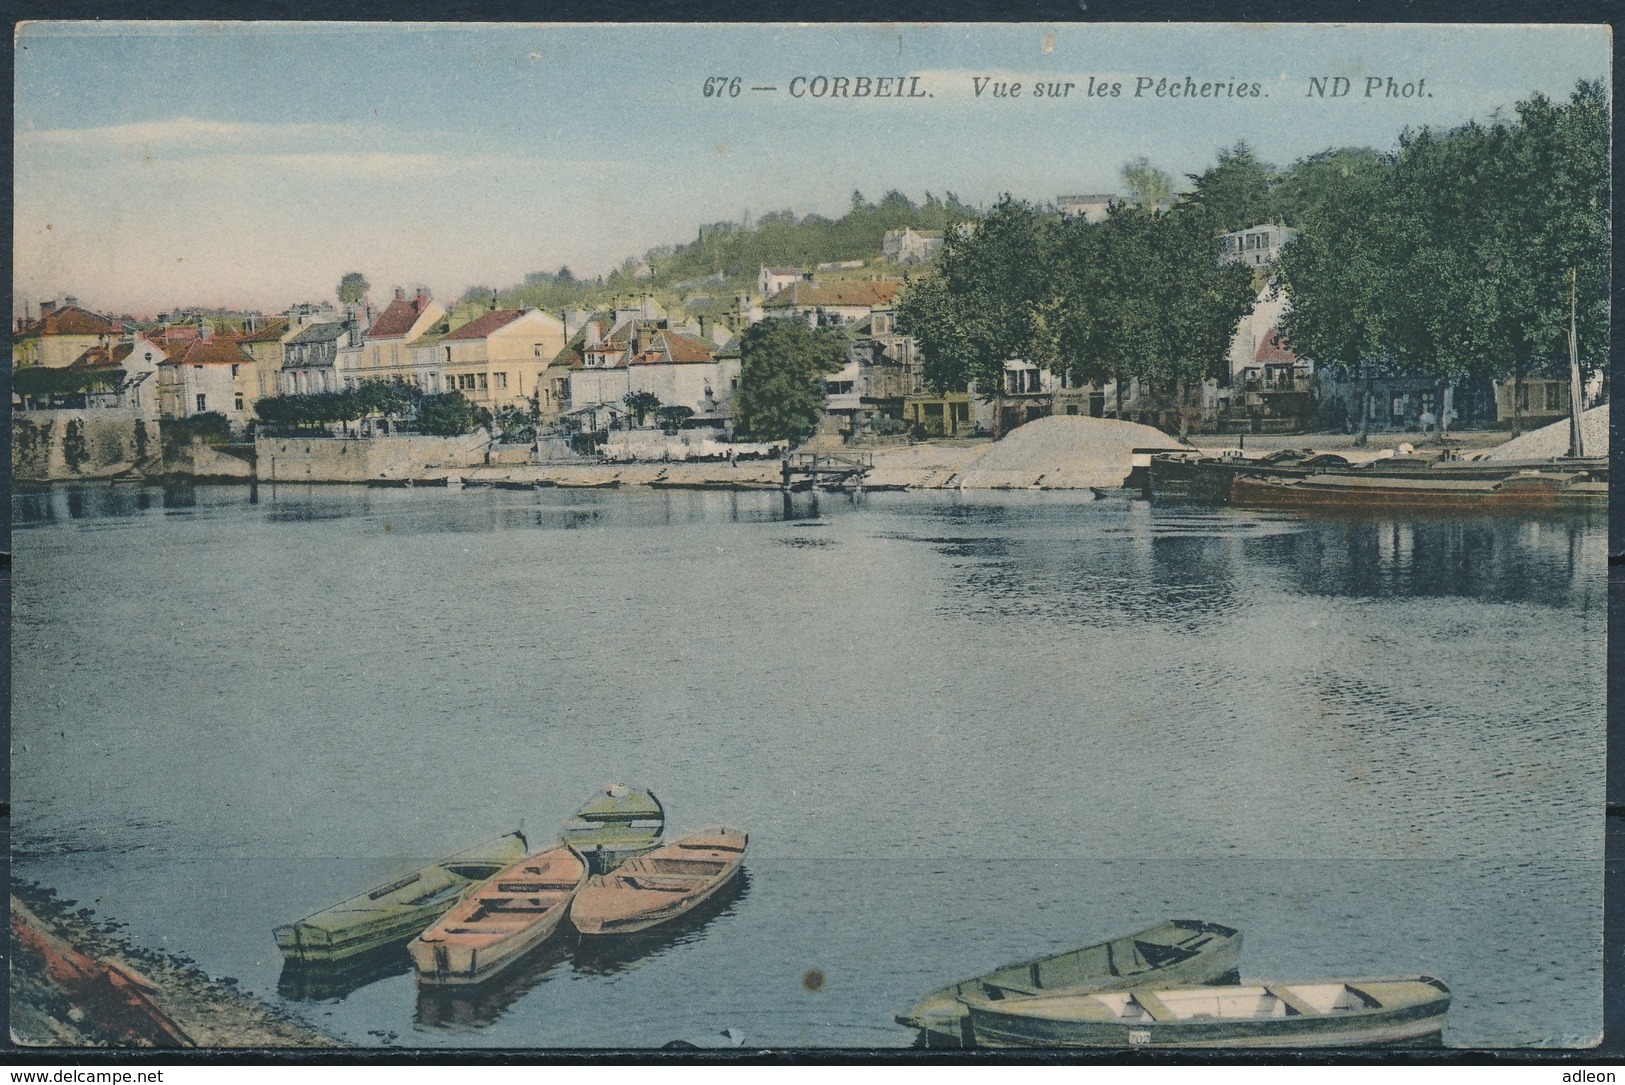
{"points": [[614, 825], [1180, 951], [1393, 1011], [398, 909]]}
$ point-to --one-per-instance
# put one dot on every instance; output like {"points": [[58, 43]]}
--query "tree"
{"points": [[450, 414], [782, 363], [641, 404], [986, 303], [1146, 186], [1235, 191], [673, 417], [1311, 182], [353, 288]]}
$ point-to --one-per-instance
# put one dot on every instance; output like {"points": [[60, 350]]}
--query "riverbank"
{"points": [[76, 983]]}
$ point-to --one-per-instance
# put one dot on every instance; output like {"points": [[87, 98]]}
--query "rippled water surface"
{"points": [[960, 731]]}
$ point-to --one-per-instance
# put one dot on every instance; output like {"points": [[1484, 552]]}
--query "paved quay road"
{"points": [[961, 728]]}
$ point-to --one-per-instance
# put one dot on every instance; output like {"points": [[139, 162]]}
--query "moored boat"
{"points": [[501, 920], [615, 823], [657, 887], [1180, 951], [1323, 1013], [396, 910], [1443, 491]]}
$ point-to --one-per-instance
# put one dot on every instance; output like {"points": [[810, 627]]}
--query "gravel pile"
{"points": [[1551, 441], [1065, 452]]}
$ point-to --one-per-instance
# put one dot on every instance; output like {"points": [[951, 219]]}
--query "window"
{"points": [[1523, 397], [1554, 396], [239, 398], [376, 351], [448, 354], [538, 350], [501, 380], [465, 381], [234, 368], [201, 401], [394, 355], [484, 385], [1396, 405], [198, 368]]}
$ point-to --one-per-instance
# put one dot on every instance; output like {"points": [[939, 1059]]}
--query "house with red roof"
{"points": [[61, 335], [205, 376], [386, 349], [498, 358], [832, 304], [677, 368]]}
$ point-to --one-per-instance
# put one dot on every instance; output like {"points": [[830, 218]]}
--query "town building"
{"points": [[770, 280], [207, 376], [265, 346], [310, 357], [498, 358], [831, 304], [1256, 246], [910, 246], [678, 369], [386, 351], [1091, 207], [61, 335]]}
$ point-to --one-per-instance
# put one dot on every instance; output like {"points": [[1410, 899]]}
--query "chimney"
{"points": [[595, 335], [46, 308], [69, 300], [400, 293]]}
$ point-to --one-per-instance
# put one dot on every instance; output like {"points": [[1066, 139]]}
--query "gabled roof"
{"points": [[850, 294], [273, 331], [783, 270], [216, 351], [72, 320], [479, 328], [98, 358], [675, 348], [318, 333], [399, 319], [1272, 351]]}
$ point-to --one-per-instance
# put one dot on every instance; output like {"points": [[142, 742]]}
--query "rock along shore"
{"points": [[76, 983]]}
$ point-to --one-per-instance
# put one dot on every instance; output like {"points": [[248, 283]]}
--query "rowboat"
{"points": [[1517, 492], [1322, 1013], [395, 911], [501, 921], [1179, 951], [615, 823], [662, 885]]}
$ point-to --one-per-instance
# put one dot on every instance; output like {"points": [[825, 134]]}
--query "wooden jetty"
{"points": [[827, 470]]}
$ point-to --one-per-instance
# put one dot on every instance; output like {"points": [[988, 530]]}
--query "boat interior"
{"points": [[677, 865], [1123, 957], [1255, 1002]]}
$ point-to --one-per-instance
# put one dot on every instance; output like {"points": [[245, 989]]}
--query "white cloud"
{"points": [[177, 131]]}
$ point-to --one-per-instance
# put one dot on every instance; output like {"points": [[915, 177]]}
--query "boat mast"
{"points": [[1577, 442]]}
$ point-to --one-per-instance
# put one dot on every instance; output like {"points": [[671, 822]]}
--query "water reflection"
{"points": [[607, 955], [1545, 561], [318, 981], [470, 1008]]}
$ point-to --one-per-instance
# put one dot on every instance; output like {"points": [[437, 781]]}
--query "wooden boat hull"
{"points": [[614, 825], [1336, 1013], [501, 921], [1181, 951], [391, 913], [660, 886], [1523, 492]]}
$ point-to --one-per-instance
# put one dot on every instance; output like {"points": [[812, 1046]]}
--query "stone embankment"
{"points": [[75, 983]]}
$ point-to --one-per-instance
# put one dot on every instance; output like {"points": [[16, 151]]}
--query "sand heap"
{"points": [[923, 466], [1064, 452], [1552, 441]]}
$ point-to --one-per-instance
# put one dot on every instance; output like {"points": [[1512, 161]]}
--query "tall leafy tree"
{"points": [[782, 366], [353, 288], [1235, 190], [1144, 184], [987, 302]]}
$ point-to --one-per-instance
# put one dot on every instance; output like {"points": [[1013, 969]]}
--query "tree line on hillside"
{"points": [[1449, 257], [733, 252]]}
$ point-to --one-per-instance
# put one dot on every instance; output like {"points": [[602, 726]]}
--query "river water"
{"points": [[960, 730]]}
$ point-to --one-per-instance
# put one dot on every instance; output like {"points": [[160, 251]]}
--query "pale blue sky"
{"points": [[253, 164]]}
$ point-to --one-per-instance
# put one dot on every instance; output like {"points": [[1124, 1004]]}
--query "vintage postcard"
{"points": [[739, 537]]}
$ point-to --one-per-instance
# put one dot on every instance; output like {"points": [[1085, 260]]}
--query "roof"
{"points": [[399, 319], [273, 331], [783, 271], [97, 357], [1273, 351], [675, 348], [851, 294], [319, 333], [479, 328], [216, 351], [72, 320]]}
